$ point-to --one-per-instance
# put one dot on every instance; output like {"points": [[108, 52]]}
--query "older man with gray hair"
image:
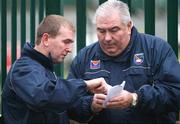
{"points": [[146, 63]]}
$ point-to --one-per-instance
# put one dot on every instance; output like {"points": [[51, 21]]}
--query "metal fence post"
{"points": [[3, 43], [55, 7], [149, 6], [3, 40], [172, 24], [14, 31], [23, 22], [81, 23], [41, 10], [102, 1], [32, 21]]}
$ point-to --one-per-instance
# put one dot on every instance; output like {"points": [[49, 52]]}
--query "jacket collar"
{"points": [[123, 57], [29, 51]]}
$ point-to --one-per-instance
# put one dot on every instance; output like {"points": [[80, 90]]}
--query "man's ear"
{"points": [[45, 39], [129, 26]]}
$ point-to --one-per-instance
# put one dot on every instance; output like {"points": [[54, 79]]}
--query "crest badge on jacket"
{"points": [[138, 58], [95, 64]]}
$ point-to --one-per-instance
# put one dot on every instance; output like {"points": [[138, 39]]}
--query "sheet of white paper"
{"points": [[114, 91]]}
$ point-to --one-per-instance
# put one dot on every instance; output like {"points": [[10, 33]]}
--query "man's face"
{"points": [[113, 35], [61, 45]]}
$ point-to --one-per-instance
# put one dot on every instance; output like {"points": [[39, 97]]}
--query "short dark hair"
{"points": [[51, 24]]}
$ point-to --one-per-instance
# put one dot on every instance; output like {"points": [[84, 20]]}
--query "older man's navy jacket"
{"points": [[149, 67], [32, 93]]}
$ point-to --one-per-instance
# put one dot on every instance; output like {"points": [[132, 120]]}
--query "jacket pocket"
{"points": [[97, 74], [137, 76]]}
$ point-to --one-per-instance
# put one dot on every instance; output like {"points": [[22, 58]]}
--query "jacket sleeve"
{"points": [[81, 110], [164, 95], [31, 84]]}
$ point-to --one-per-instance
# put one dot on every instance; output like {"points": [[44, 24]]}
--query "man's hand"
{"points": [[123, 100], [97, 104], [97, 85]]}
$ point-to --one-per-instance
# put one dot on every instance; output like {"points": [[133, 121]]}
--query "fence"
{"points": [[40, 8]]}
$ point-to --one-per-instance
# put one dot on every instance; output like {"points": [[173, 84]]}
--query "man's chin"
{"points": [[59, 61], [111, 53], [62, 60]]}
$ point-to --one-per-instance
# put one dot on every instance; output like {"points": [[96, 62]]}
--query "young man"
{"points": [[32, 92], [147, 64]]}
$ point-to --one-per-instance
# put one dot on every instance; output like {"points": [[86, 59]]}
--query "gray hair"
{"points": [[107, 7]]}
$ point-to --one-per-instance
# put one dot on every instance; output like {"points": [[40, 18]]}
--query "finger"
{"points": [[100, 89], [99, 101], [96, 107], [115, 99], [113, 105], [113, 102], [100, 96], [96, 85]]}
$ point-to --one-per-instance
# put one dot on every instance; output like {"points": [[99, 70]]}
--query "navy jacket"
{"points": [[33, 94], [149, 67]]}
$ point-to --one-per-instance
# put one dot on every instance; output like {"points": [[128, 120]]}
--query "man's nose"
{"points": [[69, 48], [108, 36]]}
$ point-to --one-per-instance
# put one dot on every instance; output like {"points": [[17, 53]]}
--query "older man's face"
{"points": [[113, 35]]}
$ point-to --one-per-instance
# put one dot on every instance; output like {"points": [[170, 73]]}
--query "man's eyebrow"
{"points": [[98, 28], [114, 27], [68, 40]]}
